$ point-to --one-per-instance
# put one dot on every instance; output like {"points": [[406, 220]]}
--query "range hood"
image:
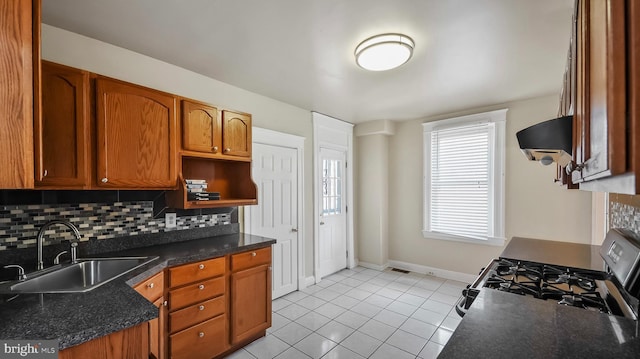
{"points": [[549, 141]]}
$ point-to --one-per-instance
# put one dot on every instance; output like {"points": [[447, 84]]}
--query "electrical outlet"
{"points": [[170, 220]]}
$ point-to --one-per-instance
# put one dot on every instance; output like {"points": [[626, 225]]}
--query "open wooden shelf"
{"points": [[232, 179]]}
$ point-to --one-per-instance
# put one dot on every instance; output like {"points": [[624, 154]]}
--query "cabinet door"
{"points": [[125, 344], [62, 135], [200, 128], [633, 16], [236, 134], [136, 136], [600, 108], [157, 332], [16, 93], [250, 302]]}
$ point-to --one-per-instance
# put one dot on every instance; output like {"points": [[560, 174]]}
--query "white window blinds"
{"points": [[460, 180], [464, 178]]}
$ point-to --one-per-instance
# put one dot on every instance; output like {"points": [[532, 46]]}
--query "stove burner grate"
{"points": [[564, 285]]}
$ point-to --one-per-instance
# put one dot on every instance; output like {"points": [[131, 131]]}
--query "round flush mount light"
{"points": [[384, 52]]}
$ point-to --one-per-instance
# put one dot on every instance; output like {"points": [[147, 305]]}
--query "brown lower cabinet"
{"points": [[209, 308], [153, 290], [125, 344], [250, 294]]}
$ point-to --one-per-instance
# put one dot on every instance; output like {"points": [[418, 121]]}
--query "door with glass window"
{"points": [[333, 218]]}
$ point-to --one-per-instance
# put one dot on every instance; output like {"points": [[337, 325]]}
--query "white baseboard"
{"points": [[437, 272], [309, 281], [373, 266]]}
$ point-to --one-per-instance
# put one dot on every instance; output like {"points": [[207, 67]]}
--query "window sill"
{"points": [[491, 241]]}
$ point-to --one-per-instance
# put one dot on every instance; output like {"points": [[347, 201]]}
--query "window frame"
{"points": [[496, 225]]}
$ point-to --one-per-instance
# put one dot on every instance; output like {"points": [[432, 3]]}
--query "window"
{"points": [[464, 178], [331, 187]]}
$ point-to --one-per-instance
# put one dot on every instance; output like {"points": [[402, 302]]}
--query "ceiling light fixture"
{"points": [[384, 52]]}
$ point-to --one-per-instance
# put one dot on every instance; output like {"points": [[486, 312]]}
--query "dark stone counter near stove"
{"points": [[79, 317], [506, 325]]}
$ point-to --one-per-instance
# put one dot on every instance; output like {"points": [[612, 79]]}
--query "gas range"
{"points": [[614, 290]]}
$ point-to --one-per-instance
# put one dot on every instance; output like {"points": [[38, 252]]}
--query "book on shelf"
{"points": [[196, 181], [196, 185], [203, 196]]}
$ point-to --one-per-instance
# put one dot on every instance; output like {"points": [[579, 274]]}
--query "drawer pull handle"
{"points": [[201, 307], [201, 334], [150, 285], [201, 266], [201, 286], [253, 254]]}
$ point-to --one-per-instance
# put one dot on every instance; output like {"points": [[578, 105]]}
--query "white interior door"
{"points": [[333, 218], [275, 172]]}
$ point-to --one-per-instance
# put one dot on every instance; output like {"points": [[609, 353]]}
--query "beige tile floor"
{"points": [[362, 313]]}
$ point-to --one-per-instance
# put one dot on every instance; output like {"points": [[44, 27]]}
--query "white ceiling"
{"points": [[469, 53]]}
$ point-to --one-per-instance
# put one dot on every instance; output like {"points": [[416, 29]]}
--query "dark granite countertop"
{"points": [[77, 318], [575, 255], [506, 325]]}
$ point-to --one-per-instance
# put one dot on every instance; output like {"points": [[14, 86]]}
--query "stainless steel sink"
{"points": [[87, 274]]}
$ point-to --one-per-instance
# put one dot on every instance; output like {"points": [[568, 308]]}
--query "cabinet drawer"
{"points": [[196, 313], [151, 288], [250, 259], [204, 340], [197, 271], [197, 292]]}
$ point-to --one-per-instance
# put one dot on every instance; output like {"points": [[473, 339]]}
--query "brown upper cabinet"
{"points": [[62, 139], [236, 134], [216, 147], [601, 90], [200, 127], [19, 71], [136, 136], [214, 133]]}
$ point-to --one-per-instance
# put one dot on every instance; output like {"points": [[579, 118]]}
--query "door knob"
{"points": [[227, 149], [105, 180], [215, 149]]}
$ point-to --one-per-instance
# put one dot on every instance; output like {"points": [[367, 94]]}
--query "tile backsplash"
{"points": [[624, 212], [20, 223]]}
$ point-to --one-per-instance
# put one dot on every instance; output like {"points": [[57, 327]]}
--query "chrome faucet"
{"points": [[40, 264]]}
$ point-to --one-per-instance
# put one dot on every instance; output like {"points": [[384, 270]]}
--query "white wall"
{"points": [[372, 205], [74, 50], [535, 206]]}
